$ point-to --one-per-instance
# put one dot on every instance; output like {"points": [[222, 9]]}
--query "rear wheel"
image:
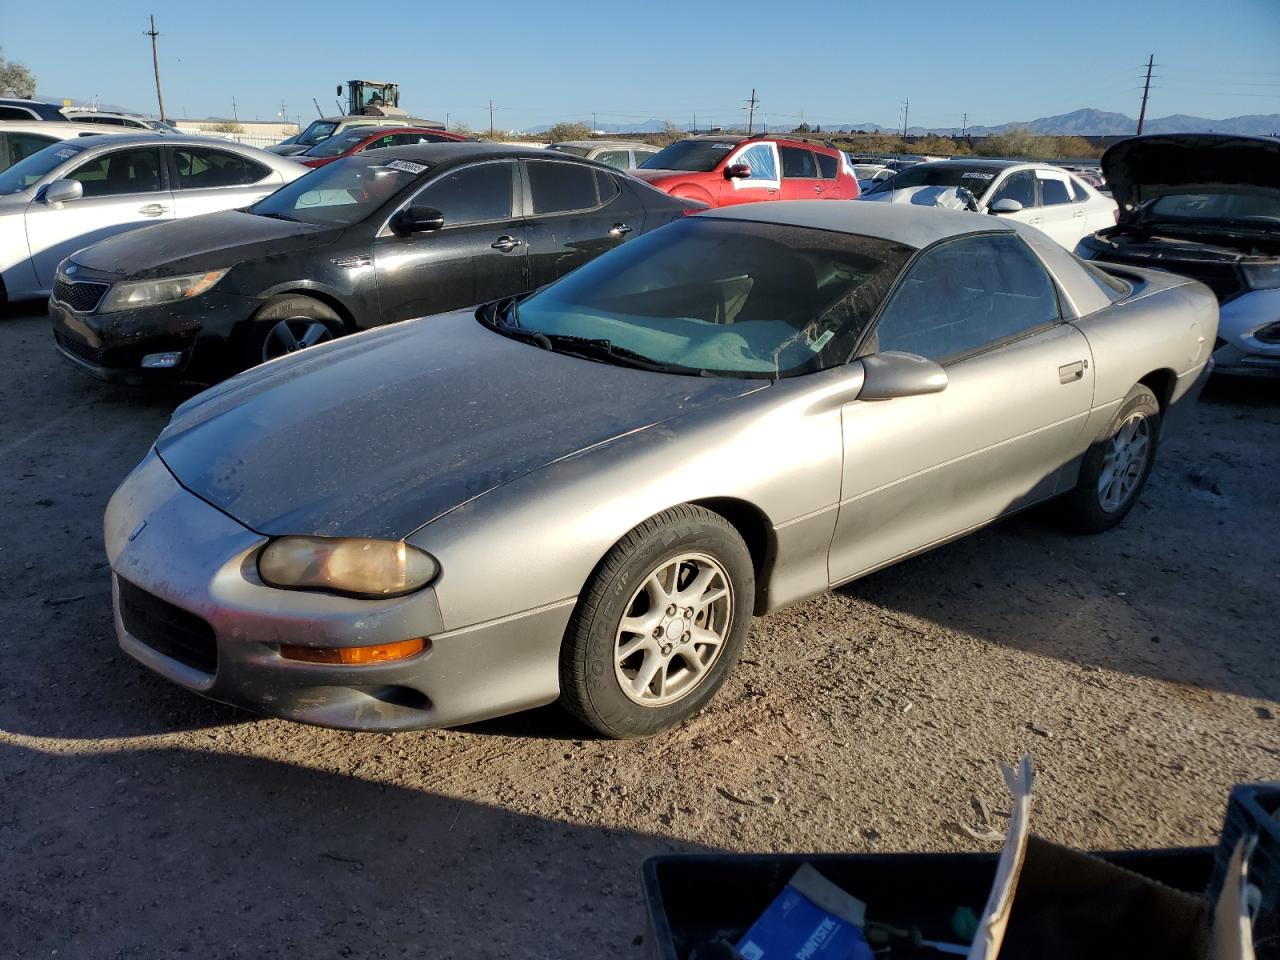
{"points": [[288, 324], [659, 625], [1116, 467]]}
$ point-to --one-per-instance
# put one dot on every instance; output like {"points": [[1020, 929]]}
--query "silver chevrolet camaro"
{"points": [[585, 493]]}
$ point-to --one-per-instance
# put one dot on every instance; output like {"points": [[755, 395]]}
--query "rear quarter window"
{"points": [[828, 165]]}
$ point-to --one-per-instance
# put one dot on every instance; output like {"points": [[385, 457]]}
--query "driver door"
{"points": [[124, 189], [765, 182], [1020, 186]]}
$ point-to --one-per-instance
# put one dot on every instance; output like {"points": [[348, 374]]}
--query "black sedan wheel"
{"points": [[289, 324], [658, 627]]}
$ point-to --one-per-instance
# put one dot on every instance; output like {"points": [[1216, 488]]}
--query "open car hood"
{"points": [[1143, 168]]}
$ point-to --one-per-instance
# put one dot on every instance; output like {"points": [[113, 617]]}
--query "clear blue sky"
{"points": [[837, 61]]}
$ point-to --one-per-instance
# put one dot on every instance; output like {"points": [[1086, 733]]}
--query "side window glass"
{"points": [[797, 162], [828, 165], [472, 195], [1020, 186], [24, 145], [1054, 191], [200, 168], [965, 295], [615, 158], [254, 171], [558, 187], [606, 187], [1077, 188], [643, 155], [16, 113], [760, 158], [121, 172]]}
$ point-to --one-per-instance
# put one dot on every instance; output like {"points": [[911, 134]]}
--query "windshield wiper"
{"points": [[598, 348], [280, 216]]}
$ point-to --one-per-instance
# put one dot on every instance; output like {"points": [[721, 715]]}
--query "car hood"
{"points": [[376, 434], [1143, 168], [922, 196], [289, 149], [209, 242], [661, 176]]}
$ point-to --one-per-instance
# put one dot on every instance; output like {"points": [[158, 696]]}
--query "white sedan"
{"points": [[80, 191], [19, 139], [1040, 194]]}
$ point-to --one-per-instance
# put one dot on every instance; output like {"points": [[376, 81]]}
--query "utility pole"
{"points": [[491, 117], [234, 116], [906, 114], [594, 125], [751, 111], [1146, 91], [319, 112], [155, 64], [964, 124]]}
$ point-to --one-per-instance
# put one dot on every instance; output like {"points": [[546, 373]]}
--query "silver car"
{"points": [[585, 493], [80, 191]]}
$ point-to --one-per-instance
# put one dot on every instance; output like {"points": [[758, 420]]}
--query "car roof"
{"points": [[977, 162], [435, 153], [591, 144], [52, 126], [900, 222]]}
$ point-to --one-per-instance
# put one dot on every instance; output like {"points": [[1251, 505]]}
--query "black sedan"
{"points": [[371, 239]]}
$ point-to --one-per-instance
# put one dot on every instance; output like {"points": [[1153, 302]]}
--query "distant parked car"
{"points": [[1207, 206], [381, 236], [327, 127], [724, 170], [623, 154], [359, 139], [586, 493], [869, 174], [1042, 195], [76, 192], [30, 110], [20, 139], [131, 121]]}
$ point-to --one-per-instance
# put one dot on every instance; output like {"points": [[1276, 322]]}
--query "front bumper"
{"points": [[1240, 352], [111, 346], [190, 606]]}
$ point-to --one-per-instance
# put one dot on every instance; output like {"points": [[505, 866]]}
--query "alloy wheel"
{"points": [[1125, 462], [294, 334], [673, 630]]}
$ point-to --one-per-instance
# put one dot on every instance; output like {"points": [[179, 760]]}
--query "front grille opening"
{"points": [[81, 351], [168, 630], [80, 295]]}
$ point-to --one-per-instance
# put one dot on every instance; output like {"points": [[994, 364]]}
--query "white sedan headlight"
{"points": [[145, 293], [354, 566]]}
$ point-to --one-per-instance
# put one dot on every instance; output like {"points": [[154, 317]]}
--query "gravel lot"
{"points": [[1139, 668]]}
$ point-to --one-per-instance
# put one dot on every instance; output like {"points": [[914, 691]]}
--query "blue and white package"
{"points": [[811, 919]]}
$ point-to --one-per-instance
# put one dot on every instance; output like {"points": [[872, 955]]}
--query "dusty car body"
{"points": [[546, 476], [1205, 206]]}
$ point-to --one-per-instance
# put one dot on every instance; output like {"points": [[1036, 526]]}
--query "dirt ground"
{"points": [[1139, 668]]}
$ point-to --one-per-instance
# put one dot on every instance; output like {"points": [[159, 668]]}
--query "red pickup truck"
{"points": [[722, 170]]}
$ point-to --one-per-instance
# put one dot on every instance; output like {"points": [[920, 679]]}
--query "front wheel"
{"points": [[659, 625], [1116, 466], [286, 325]]}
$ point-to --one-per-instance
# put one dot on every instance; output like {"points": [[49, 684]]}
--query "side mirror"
{"points": [[338, 92], [889, 375], [60, 191], [737, 171], [416, 219], [1006, 205]]}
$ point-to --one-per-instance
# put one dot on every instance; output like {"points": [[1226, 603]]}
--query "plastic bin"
{"points": [[693, 899], [1252, 809]]}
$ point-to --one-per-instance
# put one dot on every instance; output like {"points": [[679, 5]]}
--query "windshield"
{"points": [[336, 146], [1255, 208], [319, 130], [698, 155], [341, 193], [977, 180], [731, 298], [33, 169]]}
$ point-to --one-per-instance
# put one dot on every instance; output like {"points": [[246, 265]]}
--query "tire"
{"points": [[1102, 498], [663, 556], [306, 320]]}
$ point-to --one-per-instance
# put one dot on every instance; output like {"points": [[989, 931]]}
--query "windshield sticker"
{"points": [[822, 341], [975, 175], [723, 146], [406, 166]]}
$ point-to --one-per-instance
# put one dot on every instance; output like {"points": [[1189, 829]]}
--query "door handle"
{"points": [[506, 244], [619, 230], [152, 209], [1071, 372]]}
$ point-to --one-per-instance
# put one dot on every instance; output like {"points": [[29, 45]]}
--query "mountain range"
{"points": [[1083, 122]]}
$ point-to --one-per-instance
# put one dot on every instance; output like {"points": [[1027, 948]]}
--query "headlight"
{"points": [[1262, 276], [144, 293], [355, 566]]}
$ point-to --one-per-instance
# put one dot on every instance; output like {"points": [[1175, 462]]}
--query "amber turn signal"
{"points": [[379, 653]]}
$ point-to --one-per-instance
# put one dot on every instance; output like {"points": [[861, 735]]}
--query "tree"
{"points": [[226, 126], [16, 80], [569, 130], [1017, 143], [670, 134], [803, 128]]}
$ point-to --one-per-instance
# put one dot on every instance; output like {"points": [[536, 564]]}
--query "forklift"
{"points": [[372, 98]]}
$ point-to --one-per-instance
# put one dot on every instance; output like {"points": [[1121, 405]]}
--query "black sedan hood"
{"points": [[209, 242], [376, 434], [1143, 168]]}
